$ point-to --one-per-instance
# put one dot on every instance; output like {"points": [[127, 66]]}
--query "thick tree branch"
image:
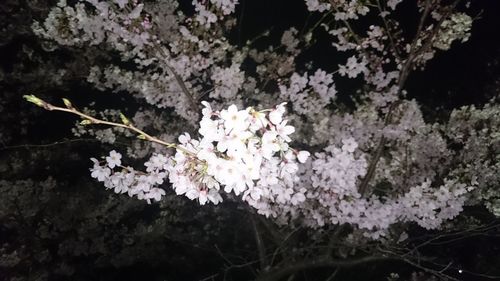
{"points": [[405, 71], [279, 273]]}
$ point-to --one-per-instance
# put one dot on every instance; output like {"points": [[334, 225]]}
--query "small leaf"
{"points": [[142, 137], [86, 122], [125, 121], [67, 103], [35, 100]]}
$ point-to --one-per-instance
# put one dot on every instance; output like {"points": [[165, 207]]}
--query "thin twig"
{"points": [[388, 31], [47, 145], [331, 277], [92, 120], [211, 277]]}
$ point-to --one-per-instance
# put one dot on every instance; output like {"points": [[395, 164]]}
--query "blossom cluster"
{"points": [[205, 16], [309, 94], [333, 196], [343, 9], [116, 26], [235, 154], [416, 155], [456, 28], [245, 152], [154, 36], [134, 183], [477, 131]]}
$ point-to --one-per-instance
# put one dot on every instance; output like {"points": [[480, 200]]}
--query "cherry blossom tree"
{"points": [[330, 176]]}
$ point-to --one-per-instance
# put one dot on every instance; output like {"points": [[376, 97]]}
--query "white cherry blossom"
{"points": [[114, 159]]}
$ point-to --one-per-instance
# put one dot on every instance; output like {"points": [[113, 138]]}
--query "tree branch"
{"points": [[260, 245], [178, 78], [92, 120], [279, 273], [405, 71]]}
